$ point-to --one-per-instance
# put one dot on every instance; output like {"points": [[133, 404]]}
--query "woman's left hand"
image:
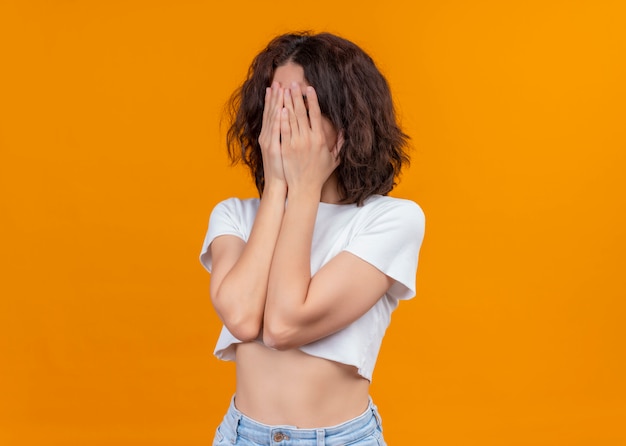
{"points": [[308, 158]]}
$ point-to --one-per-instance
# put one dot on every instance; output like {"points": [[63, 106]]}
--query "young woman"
{"points": [[306, 277]]}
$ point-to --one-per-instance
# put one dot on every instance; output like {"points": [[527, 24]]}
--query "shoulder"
{"points": [[386, 208], [236, 206], [232, 216], [234, 202]]}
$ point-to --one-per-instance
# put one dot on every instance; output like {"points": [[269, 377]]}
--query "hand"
{"points": [[269, 139], [308, 161]]}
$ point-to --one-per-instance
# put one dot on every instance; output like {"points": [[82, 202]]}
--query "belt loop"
{"points": [[377, 416], [236, 427], [321, 434]]}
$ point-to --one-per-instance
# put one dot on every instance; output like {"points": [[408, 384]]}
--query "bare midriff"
{"points": [[292, 388]]}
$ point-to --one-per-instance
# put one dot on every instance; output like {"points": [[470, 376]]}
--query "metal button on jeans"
{"points": [[279, 436]]}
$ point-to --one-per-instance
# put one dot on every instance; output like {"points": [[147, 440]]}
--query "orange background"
{"points": [[112, 158]]}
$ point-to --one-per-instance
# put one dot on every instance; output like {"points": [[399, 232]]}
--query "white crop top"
{"points": [[385, 232]]}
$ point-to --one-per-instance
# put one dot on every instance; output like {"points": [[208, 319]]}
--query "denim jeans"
{"points": [[237, 429]]}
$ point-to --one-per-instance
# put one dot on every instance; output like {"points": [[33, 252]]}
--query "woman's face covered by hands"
{"points": [[290, 73]]}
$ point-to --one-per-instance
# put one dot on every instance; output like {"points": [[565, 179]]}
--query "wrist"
{"points": [[304, 194], [275, 189]]}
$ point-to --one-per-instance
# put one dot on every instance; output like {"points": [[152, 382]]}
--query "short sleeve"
{"points": [[390, 240], [229, 217]]}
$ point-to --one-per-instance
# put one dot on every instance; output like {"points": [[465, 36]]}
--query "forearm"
{"points": [[239, 297], [290, 272]]}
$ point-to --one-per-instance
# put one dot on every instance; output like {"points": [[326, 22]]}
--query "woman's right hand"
{"points": [[241, 268], [269, 139]]}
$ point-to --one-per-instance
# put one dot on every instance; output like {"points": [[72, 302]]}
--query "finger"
{"points": [[315, 115], [269, 109], [264, 123], [299, 106], [285, 128], [276, 123], [273, 98], [293, 122]]}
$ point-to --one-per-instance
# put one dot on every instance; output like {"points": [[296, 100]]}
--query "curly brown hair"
{"points": [[353, 95]]}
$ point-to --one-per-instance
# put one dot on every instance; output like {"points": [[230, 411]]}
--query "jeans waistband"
{"points": [[237, 424]]}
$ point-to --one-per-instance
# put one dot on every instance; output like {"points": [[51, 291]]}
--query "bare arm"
{"points": [[300, 308], [240, 270]]}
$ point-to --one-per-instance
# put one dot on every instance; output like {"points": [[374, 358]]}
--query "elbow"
{"points": [[244, 325], [278, 337], [244, 331], [286, 329]]}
